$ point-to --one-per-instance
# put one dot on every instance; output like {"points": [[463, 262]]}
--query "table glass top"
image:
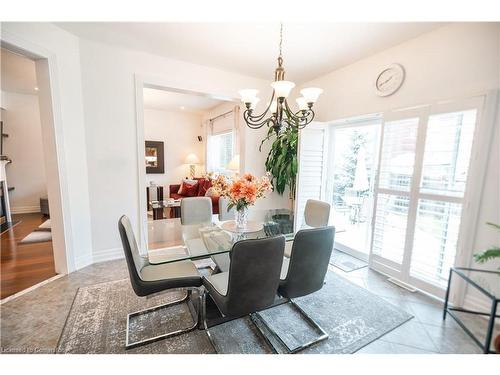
{"points": [[488, 280], [170, 241]]}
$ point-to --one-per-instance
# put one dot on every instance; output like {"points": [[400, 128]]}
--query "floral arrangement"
{"points": [[242, 191]]}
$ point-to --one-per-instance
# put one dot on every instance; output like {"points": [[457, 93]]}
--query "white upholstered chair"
{"points": [[316, 215], [195, 210]]}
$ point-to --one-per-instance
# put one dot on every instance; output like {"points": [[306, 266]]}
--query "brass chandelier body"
{"points": [[278, 113]]}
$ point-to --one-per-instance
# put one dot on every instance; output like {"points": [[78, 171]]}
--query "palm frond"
{"points": [[487, 255]]}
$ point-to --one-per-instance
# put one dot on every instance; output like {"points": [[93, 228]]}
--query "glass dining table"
{"points": [[170, 241]]}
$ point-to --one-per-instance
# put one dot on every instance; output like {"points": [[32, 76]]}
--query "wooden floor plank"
{"points": [[24, 265]]}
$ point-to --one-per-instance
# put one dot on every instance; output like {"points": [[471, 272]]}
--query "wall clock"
{"points": [[389, 80]]}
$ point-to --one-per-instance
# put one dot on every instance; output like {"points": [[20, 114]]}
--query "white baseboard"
{"points": [[24, 209], [108, 254], [82, 262]]}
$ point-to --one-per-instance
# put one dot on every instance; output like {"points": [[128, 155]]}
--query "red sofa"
{"points": [[203, 185]]}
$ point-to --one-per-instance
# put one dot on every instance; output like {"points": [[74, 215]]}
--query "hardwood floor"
{"points": [[24, 265]]}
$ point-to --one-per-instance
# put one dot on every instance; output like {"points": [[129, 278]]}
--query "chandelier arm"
{"points": [[256, 124], [261, 116]]}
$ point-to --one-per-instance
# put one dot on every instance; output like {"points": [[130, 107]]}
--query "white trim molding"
{"points": [[25, 209], [107, 254]]}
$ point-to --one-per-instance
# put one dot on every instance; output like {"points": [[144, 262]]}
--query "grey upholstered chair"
{"points": [[316, 215], [147, 279], [195, 210], [304, 273], [252, 281], [224, 214]]}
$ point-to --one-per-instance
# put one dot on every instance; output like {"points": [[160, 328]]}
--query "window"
{"points": [[220, 152]]}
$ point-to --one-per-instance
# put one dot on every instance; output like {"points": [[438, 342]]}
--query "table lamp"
{"points": [[192, 160]]}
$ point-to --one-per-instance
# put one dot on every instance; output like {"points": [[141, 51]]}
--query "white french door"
{"points": [[312, 159], [420, 191]]}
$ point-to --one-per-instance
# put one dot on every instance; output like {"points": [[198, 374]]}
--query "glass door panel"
{"points": [[355, 152]]}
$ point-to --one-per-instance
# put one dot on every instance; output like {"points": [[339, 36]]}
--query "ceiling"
{"points": [[309, 49], [173, 101], [18, 73]]}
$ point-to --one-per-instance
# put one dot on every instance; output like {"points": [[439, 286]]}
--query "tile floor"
{"points": [[33, 322]]}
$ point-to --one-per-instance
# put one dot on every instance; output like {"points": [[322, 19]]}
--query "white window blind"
{"points": [[398, 154], [447, 153], [312, 160], [389, 233]]}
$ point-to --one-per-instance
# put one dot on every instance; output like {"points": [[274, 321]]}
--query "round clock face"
{"points": [[389, 80]]}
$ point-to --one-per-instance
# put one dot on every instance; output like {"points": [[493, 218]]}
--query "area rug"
{"points": [[346, 262], [351, 315], [36, 236], [45, 226]]}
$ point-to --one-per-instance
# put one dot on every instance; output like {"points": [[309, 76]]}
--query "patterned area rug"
{"points": [[346, 262], [351, 315]]}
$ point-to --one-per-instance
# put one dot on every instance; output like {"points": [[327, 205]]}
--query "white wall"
{"points": [[69, 165], [457, 60], [26, 173], [179, 132], [451, 61], [109, 95]]}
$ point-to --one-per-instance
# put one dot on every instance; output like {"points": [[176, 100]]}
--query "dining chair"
{"points": [[316, 215], [195, 210], [224, 214], [303, 274], [148, 279], [250, 284]]}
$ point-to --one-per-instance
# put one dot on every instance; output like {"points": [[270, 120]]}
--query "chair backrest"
{"points": [[254, 274], [196, 210], [135, 262], [316, 213], [311, 251], [224, 214]]}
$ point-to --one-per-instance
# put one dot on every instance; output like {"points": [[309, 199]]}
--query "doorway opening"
{"points": [[184, 137], [26, 239]]}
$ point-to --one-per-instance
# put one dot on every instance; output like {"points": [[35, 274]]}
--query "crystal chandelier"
{"points": [[280, 113]]}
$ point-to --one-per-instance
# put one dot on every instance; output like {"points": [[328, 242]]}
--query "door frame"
{"points": [[53, 147], [345, 123], [160, 83]]}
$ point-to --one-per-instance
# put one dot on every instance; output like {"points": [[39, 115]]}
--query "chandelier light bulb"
{"points": [[248, 95], [282, 88], [302, 103], [311, 94]]}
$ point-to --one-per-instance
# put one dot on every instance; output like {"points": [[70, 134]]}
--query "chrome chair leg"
{"points": [[187, 297], [323, 335], [203, 322]]}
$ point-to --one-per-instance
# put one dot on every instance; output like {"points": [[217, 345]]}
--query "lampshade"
{"points": [[234, 164], [311, 94], [255, 101], [192, 159], [302, 103], [248, 95], [282, 88]]}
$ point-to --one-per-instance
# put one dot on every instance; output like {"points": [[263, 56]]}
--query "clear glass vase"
{"points": [[241, 217]]}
